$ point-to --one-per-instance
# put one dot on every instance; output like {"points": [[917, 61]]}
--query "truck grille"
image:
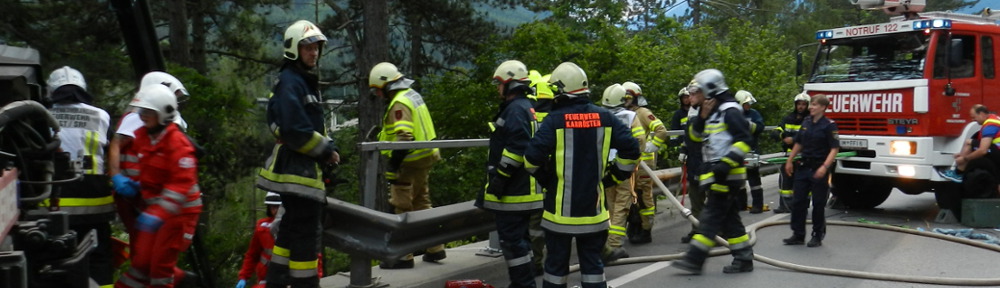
{"points": [[861, 125]]}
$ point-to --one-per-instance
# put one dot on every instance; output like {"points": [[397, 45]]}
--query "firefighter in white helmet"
{"points": [[407, 118], [295, 117], [655, 134], [621, 196], [720, 125], [691, 157], [574, 133], [756, 122], [786, 131]]}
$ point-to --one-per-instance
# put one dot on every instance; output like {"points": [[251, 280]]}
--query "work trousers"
{"points": [[294, 257], [410, 193], [721, 215], [756, 191], [516, 244], [644, 191], [785, 185], [588, 251], [695, 194], [820, 189], [619, 199], [537, 236], [156, 253]]}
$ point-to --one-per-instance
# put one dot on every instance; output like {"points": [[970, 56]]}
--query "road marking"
{"points": [[624, 279]]}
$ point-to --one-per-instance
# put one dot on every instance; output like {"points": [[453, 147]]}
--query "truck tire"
{"points": [[860, 192]]}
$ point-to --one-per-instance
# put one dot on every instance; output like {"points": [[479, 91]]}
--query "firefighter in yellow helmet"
{"points": [[406, 119], [569, 156], [293, 169], [621, 196], [655, 134]]}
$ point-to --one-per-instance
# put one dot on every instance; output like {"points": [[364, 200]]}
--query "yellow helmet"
{"points": [[614, 96], [744, 97], [301, 32], [802, 97], [541, 84], [383, 73], [570, 80]]}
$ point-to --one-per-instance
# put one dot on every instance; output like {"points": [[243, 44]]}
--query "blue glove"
{"points": [[124, 185], [241, 284], [148, 222]]}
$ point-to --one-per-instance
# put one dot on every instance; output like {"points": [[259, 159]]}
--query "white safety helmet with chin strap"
{"points": [[382, 74], [301, 32], [165, 79], [512, 74], [744, 97], [683, 92], [614, 96], [636, 92], [158, 98], [569, 80], [65, 76], [802, 97], [272, 199], [711, 82]]}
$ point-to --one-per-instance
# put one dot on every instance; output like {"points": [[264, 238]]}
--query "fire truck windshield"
{"points": [[896, 56]]}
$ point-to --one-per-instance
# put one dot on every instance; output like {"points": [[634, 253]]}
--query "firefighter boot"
{"points": [[610, 254], [816, 240], [692, 261], [687, 238], [742, 261], [784, 205], [642, 237]]}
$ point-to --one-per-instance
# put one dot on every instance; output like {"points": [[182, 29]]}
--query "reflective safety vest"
{"points": [[655, 132], [421, 125], [992, 121], [83, 135], [721, 144]]}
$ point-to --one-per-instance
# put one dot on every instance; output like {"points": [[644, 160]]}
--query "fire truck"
{"points": [[900, 93]]}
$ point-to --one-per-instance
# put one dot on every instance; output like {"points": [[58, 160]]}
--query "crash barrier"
{"points": [[367, 234]]}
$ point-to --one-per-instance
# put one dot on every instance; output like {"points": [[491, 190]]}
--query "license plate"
{"points": [[854, 143]]}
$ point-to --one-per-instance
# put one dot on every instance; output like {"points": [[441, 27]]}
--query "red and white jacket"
{"points": [[169, 177]]}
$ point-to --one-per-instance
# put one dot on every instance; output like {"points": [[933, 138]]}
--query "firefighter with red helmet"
{"points": [[169, 187], [295, 116]]}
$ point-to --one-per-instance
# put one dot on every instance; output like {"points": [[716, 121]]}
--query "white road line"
{"points": [[624, 279]]}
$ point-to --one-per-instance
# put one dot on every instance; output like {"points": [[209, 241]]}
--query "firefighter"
{"points": [[620, 197], [982, 146], [656, 139], [690, 156], [89, 202], [511, 193], [818, 145], [756, 122], [720, 125], [786, 132], [574, 134], [295, 116], [543, 105], [678, 121], [259, 252], [406, 119], [169, 186]]}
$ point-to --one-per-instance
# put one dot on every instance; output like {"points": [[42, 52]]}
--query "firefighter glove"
{"points": [[497, 185], [682, 157], [241, 284], [609, 181], [148, 222], [125, 186], [651, 148]]}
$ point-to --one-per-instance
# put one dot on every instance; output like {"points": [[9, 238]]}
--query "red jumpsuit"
{"points": [[169, 187], [259, 253]]}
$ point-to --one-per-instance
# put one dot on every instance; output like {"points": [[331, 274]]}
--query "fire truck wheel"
{"points": [[860, 192]]}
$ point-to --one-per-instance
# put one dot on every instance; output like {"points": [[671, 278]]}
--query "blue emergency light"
{"points": [[931, 24], [824, 35]]}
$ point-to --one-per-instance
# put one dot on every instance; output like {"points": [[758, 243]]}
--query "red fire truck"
{"points": [[901, 93]]}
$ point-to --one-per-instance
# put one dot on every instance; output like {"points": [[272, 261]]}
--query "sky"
{"points": [[992, 4]]}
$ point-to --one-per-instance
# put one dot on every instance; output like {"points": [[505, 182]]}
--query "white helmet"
{"points": [[158, 98], [272, 199], [802, 97], [66, 76], [744, 97], [632, 89], [165, 79], [614, 96], [570, 80], [712, 82], [512, 74], [683, 92], [301, 32], [383, 73], [693, 87]]}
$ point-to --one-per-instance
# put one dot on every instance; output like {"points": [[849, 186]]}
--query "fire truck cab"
{"points": [[900, 93]]}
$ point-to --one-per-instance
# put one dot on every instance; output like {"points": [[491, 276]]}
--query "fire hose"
{"points": [[752, 232]]}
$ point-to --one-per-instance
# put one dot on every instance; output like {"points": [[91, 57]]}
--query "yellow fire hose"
{"points": [[752, 232]]}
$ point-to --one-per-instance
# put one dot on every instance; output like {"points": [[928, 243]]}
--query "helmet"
{"points": [[569, 79], [693, 87], [66, 76], [512, 74], [614, 96], [383, 73], [301, 32], [802, 97], [683, 92], [632, 89], [541, 91], [163, 78], [744, 97], [712, 82], [272, 199], [158, 98]]}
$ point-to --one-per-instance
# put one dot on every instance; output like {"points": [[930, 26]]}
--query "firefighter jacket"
{"points": [[295, 117], [169, 178], [259, 252], [511, 132], [655, 131], [569, 156], [724, 136], [629, 118], [788, 127], [407, 119], [83, 135], [756, 122], [678, 121]]}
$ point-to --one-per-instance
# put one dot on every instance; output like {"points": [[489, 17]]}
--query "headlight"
{"points": [[902, 148]]}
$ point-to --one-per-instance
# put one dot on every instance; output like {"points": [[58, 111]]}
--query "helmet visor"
{"points": [[312, 39]]}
